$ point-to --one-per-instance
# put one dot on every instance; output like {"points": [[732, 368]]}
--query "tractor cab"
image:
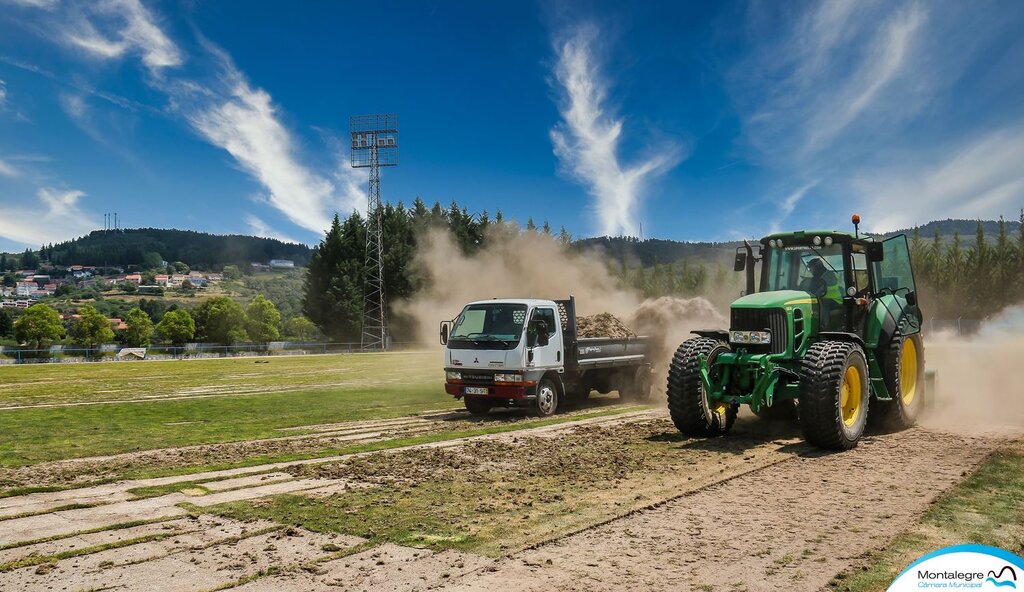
{"points": [[844, 274]]}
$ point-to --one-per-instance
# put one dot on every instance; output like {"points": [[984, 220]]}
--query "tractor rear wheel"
{"points": [[477, 405], [904, 377], [688, 403], [834, 394]]}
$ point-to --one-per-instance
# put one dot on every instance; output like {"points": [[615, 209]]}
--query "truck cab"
{"points": [[500, 350]]}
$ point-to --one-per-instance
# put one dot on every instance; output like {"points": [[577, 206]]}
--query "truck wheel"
{"points": [[834, 394], [547, 398], [637, 387], [781, 410], [477, 405], [904, 377], [687, 401]]}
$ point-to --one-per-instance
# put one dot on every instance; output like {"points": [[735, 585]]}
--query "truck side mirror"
{"points": [[444, 332], [876, 252], [741, 259], [542, 334]]}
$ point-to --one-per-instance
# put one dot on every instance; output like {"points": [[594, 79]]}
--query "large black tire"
{"points": [[834, 394], [904, 377], [547, 398], [477, 405], [781, 410], [636, 388], [687, 400]]}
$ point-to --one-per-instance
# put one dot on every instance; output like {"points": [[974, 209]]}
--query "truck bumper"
{"points": [[514, 393]]}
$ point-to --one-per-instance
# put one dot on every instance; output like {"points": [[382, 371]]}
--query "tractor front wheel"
{"points": [[904, 377], [834, 394], [688, 401]]}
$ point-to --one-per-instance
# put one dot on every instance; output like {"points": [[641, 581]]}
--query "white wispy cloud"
{"points": [[244, 121], [7, 170], [56, 216], [3, 93], [44, 4], [789, 203], [118, 27], [587, 140], [217, 101], [868, 98], [257, 227], [982, 178]]}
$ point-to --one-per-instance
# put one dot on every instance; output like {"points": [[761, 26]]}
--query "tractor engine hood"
{"points": [[778, 299]]}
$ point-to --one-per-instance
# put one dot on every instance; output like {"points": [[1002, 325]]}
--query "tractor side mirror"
{"points": [[912, 298], [876, 252], [444, 332], [741, 259]]}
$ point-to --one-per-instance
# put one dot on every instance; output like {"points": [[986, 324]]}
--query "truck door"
{"points": [[544, 324]]}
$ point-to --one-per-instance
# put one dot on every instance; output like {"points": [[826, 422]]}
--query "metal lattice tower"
{"points": [[374, 145]]}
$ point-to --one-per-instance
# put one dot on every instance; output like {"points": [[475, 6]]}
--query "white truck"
{"points": [[525, 353]]}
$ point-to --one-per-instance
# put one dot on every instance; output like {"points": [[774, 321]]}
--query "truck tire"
{"points": [[781, 410], [637, 387], [477, 405], [904, 377], [687, 400], [547, 398], [834, 394]]}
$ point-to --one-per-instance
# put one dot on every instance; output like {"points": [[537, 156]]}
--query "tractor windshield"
{"points": [[818, 270]]}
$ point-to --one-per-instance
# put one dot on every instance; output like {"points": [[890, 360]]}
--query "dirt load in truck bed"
{"points": [[602, 325]]}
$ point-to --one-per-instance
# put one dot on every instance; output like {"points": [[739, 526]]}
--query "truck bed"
{"points": [[605, 352]]}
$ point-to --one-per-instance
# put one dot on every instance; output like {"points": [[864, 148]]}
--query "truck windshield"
{"points": [[805, 268], [489, 325]]}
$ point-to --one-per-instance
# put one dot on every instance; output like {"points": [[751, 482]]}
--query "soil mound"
{"points": [[602, 325]]}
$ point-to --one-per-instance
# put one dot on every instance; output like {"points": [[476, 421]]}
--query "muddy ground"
{"points": [[627, 503]]}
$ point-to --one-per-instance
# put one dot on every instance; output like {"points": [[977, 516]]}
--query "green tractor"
{"points": [[835, 330]]}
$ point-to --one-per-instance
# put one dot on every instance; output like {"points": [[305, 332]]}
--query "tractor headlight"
{"points": [[778, 243], [771, 243], [828, 241], [750, 337], [508, 378], [816, 240], [451, 375]]}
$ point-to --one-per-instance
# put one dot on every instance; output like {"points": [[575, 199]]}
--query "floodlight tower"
{"points": [[374, 145]]}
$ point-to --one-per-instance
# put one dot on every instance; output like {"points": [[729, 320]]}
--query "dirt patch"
{"points": [[790, 526], [341, 436], [602, 325]]}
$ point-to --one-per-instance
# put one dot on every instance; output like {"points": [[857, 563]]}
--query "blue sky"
{"points": [[696, 120]]}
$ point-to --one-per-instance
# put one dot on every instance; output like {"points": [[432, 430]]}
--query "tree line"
{"points": [[219, 320], [969, 279]]}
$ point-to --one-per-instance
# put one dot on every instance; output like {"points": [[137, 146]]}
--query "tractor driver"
{"points": [[824, 283]]}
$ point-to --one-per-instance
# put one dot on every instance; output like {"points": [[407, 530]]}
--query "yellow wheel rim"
{"points": [[908, 372], [720, 408], [850, 395]]}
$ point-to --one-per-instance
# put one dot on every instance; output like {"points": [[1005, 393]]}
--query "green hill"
{"points": [[138, 246]]}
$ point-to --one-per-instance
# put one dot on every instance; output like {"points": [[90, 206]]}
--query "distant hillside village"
{"points": [[20, 288]]}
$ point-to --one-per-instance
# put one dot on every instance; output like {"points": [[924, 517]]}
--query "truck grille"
{"points": [[759, 319], [477, 378]]}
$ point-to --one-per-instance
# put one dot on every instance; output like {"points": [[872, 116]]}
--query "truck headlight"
{"points": [[508, 378], [752, 337], [453, 375]]}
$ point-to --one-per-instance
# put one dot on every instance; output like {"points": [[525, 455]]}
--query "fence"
{"points": [[960, 327], [115, 353]]}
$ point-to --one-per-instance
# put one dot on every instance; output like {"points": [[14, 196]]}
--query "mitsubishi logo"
{"points": [[476, 360]]}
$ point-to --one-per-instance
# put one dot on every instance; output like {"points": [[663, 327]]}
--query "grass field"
{"points": [[149, 405], [986, 508]]}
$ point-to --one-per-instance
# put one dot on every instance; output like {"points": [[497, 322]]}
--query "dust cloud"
{"points": [[533, 265], [978, 387]]}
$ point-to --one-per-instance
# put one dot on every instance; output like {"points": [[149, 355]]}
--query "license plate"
{"points": [[476, 390]]}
